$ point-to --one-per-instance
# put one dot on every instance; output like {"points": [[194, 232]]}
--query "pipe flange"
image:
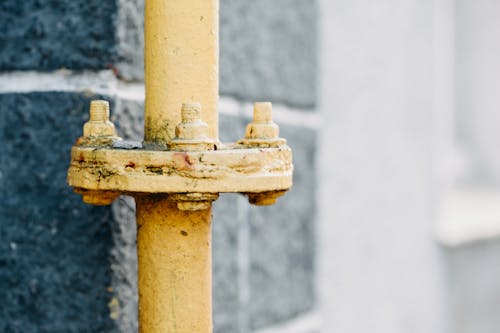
{"points": [[193, 201]]}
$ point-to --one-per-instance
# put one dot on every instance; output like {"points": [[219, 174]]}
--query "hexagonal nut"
{"points": [[264, 198], [191, 130], [97, 198], [99, 129], [262, 131], [193, 201]]}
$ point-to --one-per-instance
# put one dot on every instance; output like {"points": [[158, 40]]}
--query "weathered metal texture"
{"points": [[99, 130], [230, 169], [181, 64], [262, 131], [181, 168], [191, 134]]}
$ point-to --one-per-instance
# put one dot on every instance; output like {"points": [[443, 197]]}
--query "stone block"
{"points": [[123, 261], [52, 34], [130, 39], [128, 117], [282, 242], [54, 250], [226, 273], [268, 48]]}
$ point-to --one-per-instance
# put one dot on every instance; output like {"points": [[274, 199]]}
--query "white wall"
{"points": [[478, 89], [380, 267]]}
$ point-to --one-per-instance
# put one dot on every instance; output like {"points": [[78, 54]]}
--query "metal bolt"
{"points": [[99, 110], [262, 131], [191, 134], [262, 126], [191, 127], [99, 125], [191, 112], [263, 112]]}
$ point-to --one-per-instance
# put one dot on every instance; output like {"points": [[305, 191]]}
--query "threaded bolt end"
{"points": [[191, 111], [99, 110], [262, 112]]}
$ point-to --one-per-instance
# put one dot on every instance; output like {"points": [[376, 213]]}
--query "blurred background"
{"points": [[390, 107]]}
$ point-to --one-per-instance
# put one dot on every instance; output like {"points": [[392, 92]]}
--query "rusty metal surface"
{"points": [[230, 169]]}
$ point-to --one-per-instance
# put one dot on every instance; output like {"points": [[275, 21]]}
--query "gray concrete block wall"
{"points": [[54, 250], [123, 263], [282, 242], [226, 280], [268, 50], [83, 277], [53, 34], [130, 38]]}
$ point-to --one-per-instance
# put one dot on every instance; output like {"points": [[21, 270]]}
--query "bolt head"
{"points": [[262, 131], [264, 198], [191, 134], [193, 201], [99, 129], [192, 130], [97, 198]]}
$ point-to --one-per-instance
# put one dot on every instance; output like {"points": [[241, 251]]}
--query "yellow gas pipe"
{"points": [[174, 247], [180, 168]]}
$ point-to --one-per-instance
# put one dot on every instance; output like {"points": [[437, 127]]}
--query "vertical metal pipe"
{"points": [[174, 247], [174, 252], [181, 64]]}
